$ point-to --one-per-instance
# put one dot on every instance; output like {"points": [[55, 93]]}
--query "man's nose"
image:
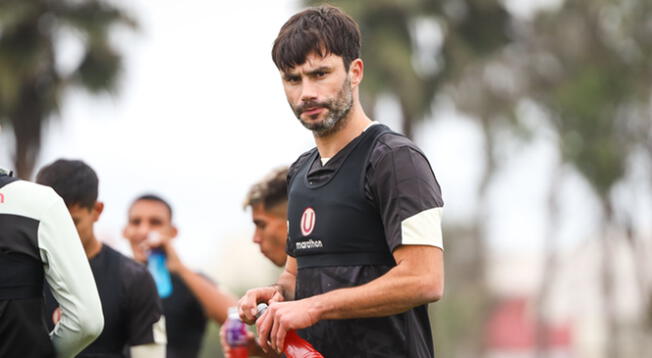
{"points": [[309, 91], [142, 230], [257, 238]]}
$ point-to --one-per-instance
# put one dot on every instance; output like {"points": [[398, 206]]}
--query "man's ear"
{"points": [[98, 208], [356, 72], [173, 231]]}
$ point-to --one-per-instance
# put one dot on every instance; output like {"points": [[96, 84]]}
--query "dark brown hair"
{"points": [[323, 30], [74, 181]]}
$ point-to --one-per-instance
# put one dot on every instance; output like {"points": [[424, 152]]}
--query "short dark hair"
{"points": [[153, 197], [73, 180], [323, 30], [272, 190]]}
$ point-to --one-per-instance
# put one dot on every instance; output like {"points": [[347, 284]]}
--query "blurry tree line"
{"points": [[586, 65], [33, 81]]}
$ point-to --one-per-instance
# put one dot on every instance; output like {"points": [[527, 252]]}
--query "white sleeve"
{"points": [[68, 273], [152, 350]]}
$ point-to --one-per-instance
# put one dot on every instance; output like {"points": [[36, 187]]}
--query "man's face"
{"points": [[84, 219], [147, 216], [320, 93], [271, 233]]}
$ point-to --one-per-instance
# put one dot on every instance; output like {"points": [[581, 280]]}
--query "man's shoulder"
{"points": [[129, 269], [392, 142], [28, 199], [303, 158]]}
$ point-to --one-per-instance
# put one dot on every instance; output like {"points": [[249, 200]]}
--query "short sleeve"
{"points": [[146, 324], [405, 190]]}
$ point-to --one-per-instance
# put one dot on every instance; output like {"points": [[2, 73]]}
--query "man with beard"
{"points": [[364, 211]]}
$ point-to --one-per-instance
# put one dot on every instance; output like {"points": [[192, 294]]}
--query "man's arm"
{"points": [[68, 273], [417, 279], [214, 301]]}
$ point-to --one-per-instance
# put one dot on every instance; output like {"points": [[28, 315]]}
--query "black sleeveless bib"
{"points": [[333, 223]]}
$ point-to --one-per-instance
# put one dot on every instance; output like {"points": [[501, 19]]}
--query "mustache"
{"points": [[311, 104]]}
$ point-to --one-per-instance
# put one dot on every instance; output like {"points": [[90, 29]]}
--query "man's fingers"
{"points": [[263, 326], [272, 335], [245, 306], [280, 338]]}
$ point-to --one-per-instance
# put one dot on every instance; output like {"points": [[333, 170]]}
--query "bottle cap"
{"points": [[260, 309]]}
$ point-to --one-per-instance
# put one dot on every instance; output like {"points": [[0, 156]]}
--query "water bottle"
{"points": [[294, 346], [236, 334], [158, 268]]}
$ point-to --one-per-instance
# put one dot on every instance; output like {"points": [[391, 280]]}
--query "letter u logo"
{"points": [[307, 221]]}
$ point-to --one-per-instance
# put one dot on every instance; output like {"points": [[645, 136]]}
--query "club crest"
{"points": [[307, 221]]}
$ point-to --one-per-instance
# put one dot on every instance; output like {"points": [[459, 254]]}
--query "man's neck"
{"points": [[358, 121], [92, 248]]}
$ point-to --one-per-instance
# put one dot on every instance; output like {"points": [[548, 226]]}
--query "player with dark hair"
{"points": [[38, 240], [364, 211], [134, 325], [194, 297]]}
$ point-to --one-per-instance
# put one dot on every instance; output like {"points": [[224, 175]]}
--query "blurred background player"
{"points": [[268, 200], [132, 309], [38, 240], [194, 297]]}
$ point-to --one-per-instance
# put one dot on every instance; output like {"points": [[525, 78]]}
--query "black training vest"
{"points": [[333, 223], [21, 270]]}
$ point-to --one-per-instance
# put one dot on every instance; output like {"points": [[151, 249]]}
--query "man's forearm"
{"points": [[214, 301], [411, 283]]}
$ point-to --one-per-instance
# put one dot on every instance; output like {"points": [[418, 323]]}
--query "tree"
{"points": [[405, 61], [32, 82], [594, 86]]}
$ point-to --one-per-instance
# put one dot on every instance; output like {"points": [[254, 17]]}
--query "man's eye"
{"points": [[320, 73]]}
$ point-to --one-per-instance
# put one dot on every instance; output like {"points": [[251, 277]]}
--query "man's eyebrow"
{"points": [[313, 72], [319, 69], [288, 75]]}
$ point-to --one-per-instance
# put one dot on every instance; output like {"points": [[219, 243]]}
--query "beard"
{"points": [[338, 110]]}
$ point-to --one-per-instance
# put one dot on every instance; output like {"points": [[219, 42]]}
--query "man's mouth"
{"points": [[313, 111]]}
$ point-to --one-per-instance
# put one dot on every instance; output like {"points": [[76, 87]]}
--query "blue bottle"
{"points": [[156, 264]]}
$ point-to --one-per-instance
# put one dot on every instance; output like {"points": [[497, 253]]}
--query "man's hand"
{"points": [[253, 348], [172, 258], [247, 305], [281, 317], [156, 239]]}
